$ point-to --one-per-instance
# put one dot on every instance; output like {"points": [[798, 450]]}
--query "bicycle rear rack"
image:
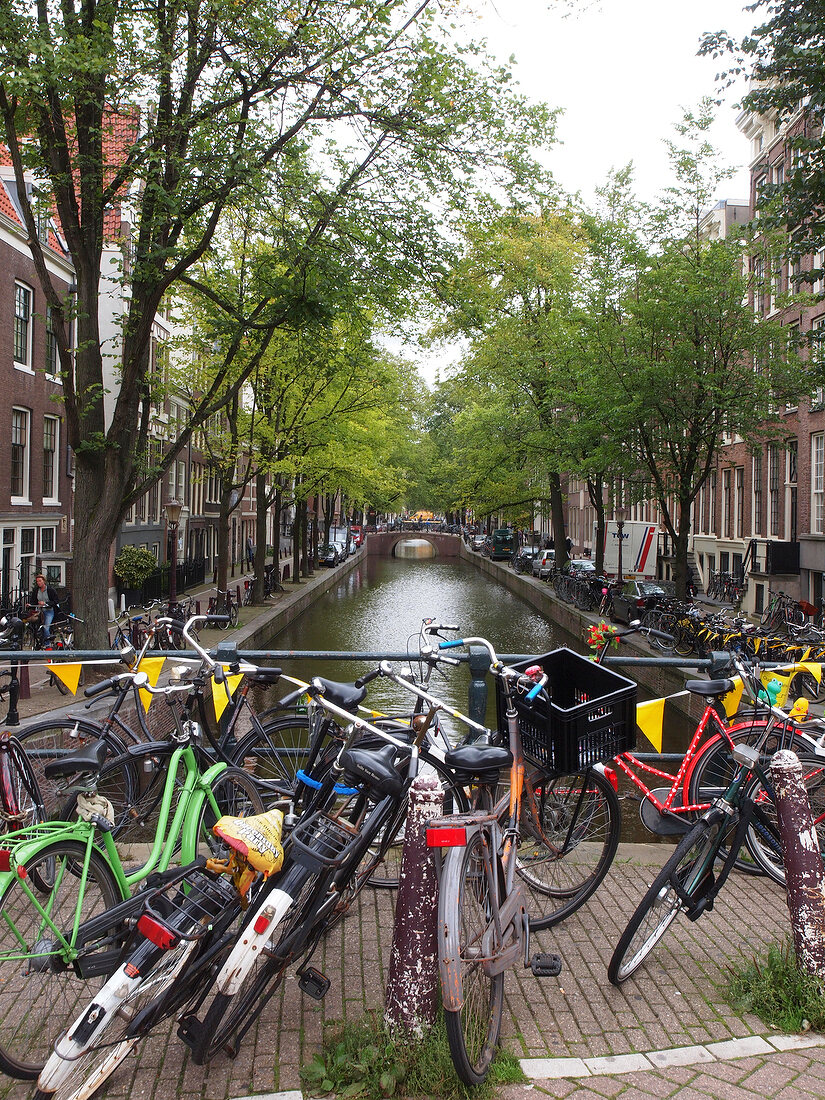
{"points": [[322, 841], [187, 908]]}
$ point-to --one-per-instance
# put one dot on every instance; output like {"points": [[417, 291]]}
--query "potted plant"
{"points": [[133, 566]]}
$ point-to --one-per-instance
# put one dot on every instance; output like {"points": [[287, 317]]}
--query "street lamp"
{"points": [[173, 509], [619, 515]]}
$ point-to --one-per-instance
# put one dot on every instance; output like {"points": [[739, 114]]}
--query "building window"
{"points": [[739, 487], [773, 488], [791, 491], [47, 540], [20, 454], [22, 325], [51, 433], [726, 505], [52, 361], [818, 483], [27, 547], [757, 494], [817, 357]]}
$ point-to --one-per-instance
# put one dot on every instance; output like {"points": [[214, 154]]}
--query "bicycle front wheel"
{"points": [[468, 936], [236, 795], [275, 752], [570, 830], [40, 988], [684, 880]]}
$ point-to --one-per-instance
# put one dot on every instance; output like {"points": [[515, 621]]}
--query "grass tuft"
{"points": [[778, 992], [366, 1060]]}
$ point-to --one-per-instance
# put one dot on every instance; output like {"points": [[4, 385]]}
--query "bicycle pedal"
{"points": [[545, 965], [313, 983], [189, 1029]]}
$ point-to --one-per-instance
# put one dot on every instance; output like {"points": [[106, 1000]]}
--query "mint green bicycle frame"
{"points": [[18, 848]]}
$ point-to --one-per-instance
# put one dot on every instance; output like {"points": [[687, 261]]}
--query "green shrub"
{"points": [[134, 565], [365, 1060], [778, 992]]}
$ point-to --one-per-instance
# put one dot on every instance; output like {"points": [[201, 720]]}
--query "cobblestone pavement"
{"points": [[666, 1032]]}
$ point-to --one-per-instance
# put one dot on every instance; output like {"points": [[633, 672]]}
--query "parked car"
{"points": [[636, 597], [522, 561], [543, 564], [477, 542], [329, 554], [578, 565], [342, 549]]}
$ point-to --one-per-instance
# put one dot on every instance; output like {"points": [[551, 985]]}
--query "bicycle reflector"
{"points": [[446, 836], [5, 859], [156, 933]]}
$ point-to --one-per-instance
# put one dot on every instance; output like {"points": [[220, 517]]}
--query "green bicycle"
{"points": [[66, 897]]}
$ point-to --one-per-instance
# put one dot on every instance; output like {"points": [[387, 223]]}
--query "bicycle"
{"points": [[284, 923], [66, 892], [242, 735], [483, 927], [224, 604], [696, 872]]}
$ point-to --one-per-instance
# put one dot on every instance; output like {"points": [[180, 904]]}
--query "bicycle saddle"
{"points": [[88, 759], [375, 767], [257, 839], [346, 696], [709, 688], [479, 757]]}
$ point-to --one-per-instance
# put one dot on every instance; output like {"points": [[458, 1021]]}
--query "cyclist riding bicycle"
{"points": [[43, 604]]}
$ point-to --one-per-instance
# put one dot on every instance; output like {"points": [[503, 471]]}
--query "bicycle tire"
{"points": [[568, 841], [90, 1069], [237, 795], [229, 1016], [36, 1002], [688, 869], [388, 849], [762, 838], [233, 615], [21, 798], [465, 906], [276, 751], [54, 738], [713, 768]]}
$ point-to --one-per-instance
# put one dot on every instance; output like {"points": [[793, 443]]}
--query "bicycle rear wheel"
{"points": [[570, 830], [468, 936], [54, 739], [40, 989], [762, 839], [684, 880], [236, 794], [275, 752]]}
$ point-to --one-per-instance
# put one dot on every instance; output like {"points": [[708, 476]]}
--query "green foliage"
{"points": [[134, 565], [778, 992], [364, 1059]]}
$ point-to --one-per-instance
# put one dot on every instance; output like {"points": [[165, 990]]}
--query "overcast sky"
{"points": [[622, 70]]}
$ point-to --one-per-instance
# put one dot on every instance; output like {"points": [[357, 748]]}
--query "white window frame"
{"points": [[51, 493], [24, 364], [25, 417], [818, 483]]}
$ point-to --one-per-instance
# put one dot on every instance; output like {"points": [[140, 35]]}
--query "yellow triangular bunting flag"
{"points": [[221, 696], [733, 698], [649, 719], [151, 666], [69, 674]]}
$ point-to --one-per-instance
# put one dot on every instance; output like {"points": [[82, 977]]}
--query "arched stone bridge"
{"points": [[384, 542]]}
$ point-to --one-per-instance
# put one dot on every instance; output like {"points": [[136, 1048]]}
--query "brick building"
{"points": [[35, 460]]}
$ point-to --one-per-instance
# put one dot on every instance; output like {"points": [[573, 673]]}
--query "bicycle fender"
{"points": [[23, 844], [254, 939]]}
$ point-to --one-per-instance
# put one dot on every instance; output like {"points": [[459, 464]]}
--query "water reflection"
{"points": [[379, 606]]}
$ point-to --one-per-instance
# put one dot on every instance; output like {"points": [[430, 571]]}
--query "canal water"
{"points": [[379, 606]]}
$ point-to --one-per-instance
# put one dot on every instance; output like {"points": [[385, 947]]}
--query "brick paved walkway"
{"points": [[578, 1035]]}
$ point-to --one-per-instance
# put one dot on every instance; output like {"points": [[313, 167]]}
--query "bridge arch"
{"points": [[385, 542]]}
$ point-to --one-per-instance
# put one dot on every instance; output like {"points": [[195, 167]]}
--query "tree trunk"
{"points": [[97, 498], [261, 510], [557, 510]]}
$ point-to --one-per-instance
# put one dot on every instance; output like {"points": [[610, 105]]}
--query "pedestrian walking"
{"points": [[250, 553]]}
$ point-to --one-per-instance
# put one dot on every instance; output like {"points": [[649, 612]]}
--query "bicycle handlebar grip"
{"points": [[367, 678], [452, 644], [533, 692], [97, 689], [660, 634], [292, 698], [216, 618]]}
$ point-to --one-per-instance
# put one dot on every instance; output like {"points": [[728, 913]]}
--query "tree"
{"points": [[166, 114], [687, 360], [782, 56]]}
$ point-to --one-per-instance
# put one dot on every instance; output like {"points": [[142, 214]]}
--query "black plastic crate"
{"points": [[591, 715]]}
